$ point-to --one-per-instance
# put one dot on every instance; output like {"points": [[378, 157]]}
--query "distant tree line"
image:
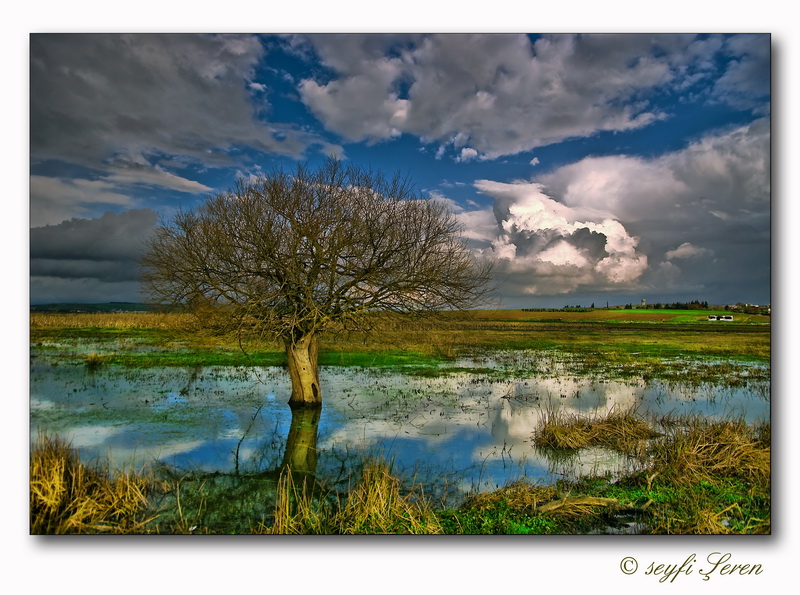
{"points": [[564, 309], [693, 305]]}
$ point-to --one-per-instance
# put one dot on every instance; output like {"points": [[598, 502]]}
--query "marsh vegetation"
{"points": [[477, 425]]}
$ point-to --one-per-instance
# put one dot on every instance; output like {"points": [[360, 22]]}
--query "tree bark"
{"points": [[303, 357]]}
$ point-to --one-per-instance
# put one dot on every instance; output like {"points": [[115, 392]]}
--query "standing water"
{"points": [[467, 428]]}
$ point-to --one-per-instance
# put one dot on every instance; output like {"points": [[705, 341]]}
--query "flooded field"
{"points": [[465, 428]]}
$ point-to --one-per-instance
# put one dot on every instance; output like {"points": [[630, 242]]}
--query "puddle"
{"points": [[458, 433]]}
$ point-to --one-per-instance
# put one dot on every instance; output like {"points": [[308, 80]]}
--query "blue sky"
{"points": [[593, 168]]}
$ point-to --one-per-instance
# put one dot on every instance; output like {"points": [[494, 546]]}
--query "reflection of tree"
{"points": [[300, 456]]}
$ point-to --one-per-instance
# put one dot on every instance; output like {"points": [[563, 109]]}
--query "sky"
{"points": [[702, 100], [593, 168]]}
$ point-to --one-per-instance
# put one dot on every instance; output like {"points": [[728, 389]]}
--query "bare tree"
{"points": [[295, 255]]}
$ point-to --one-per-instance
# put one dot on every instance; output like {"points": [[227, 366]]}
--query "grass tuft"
{"points": [[618, 430], [698, 449], [66, 496], [375, 505]]}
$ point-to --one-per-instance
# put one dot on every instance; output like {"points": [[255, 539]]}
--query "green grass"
{"points": [[124, 339], [683, 485], [700, 477]]}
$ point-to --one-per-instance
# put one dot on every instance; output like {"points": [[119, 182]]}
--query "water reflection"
{"points": [[301, 445], [460, 431]]}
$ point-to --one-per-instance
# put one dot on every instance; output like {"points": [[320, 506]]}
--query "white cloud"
{"points": [[502, 94], [550, 248], [597, 224], [467, 154], [719, 174], [686, 251], [535, 161], [563, 253], [58, 199], [156, 176]]}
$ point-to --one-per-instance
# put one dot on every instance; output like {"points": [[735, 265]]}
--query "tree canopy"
{"points": [[294, 255]]}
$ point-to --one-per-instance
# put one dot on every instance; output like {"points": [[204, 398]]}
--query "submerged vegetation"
{"points": [[690, 475], [682, 474], [630, 342]]}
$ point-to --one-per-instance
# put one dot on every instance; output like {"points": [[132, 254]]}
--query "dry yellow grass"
{"points": [[622, 431], [375, 505], [116, 320], [66, 496], [697, 449]]}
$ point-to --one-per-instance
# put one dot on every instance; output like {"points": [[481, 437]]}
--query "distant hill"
{"points": [[107, 307]]}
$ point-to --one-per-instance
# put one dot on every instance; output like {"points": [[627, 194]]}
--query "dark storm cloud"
{"points": [[105, 249], [154, 111], [97, 96], [111, 237]]}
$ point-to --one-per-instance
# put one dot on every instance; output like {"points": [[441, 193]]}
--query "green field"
{"points": [[700, 477], [175, 339]]}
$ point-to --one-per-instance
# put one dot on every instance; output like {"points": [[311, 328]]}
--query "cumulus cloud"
{"points": [[502, 94], [686, 251], [622, 222], [549, 248], [467, 154], [723, 175]]}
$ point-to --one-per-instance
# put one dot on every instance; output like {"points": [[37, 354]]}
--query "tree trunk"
{"points": [[304, 371]]}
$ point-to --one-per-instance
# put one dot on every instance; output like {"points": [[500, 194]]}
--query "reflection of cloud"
{"points": [[90, 436], [502, 414]]}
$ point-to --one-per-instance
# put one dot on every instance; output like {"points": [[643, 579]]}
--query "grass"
{"points": [[66, 496], [692, 475], [162, 339], [698, 476], [374, 505], [622, 431]]}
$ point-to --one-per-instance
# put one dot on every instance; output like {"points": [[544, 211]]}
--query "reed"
{"points": [[618, 430], [66, 496], [374, 505], [698, 449]]}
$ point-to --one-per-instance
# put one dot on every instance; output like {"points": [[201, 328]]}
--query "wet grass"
{"points": [[623, 349], [67, 496], [622, 431], [174, 339], [699, 476], [374, 505]]}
